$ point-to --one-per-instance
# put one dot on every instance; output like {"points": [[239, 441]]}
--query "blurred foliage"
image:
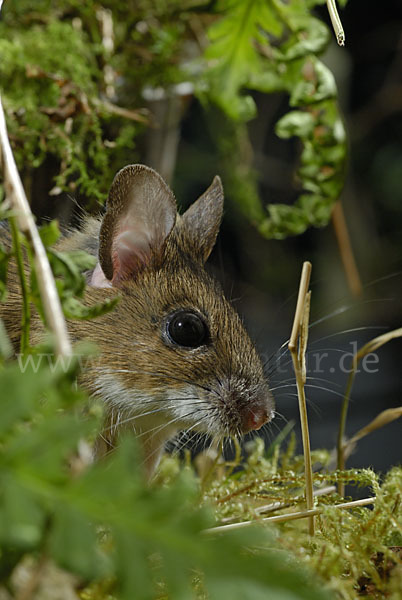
{"points": [[102, 522], [73, 76], [68, 269], [118, 537]]}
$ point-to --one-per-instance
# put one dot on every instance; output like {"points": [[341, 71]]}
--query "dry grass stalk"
{"points": [[297, 348], [290, 516], [376, 343], [382, 419], [371, 346], [336, 22], [15, 194]]}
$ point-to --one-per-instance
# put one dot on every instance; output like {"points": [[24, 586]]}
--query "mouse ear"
{"points": [[202, 220], [140, 215]]}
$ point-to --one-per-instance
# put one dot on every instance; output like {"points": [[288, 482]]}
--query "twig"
{"points": [[297, 347], [133, 115], [290, 516], [336, 22], [17, 198], [363, 351], [346, 251]]}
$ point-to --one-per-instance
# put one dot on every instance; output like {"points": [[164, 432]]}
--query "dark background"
{"points": [[262, 276]]}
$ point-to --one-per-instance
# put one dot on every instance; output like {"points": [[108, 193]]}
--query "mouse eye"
{"points": [[187, 329]]}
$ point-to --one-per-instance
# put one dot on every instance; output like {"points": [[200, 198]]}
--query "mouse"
{"points": [[173, 353]]}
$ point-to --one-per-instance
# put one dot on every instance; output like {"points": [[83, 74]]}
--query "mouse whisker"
{"points": [[139, 415], [325, 389], [281, 416], [172, 421], [352, 330], [286, 395], [156, 430], [280, 387], [164, 376], [271, 372], [194, 434]]}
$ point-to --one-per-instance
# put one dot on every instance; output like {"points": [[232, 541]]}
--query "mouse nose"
{"points": [[248, 406], [258, 410], [254, 417]]}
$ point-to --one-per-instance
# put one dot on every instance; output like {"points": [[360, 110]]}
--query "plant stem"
{"points": [[342, 426], [297, 348], [371, 346], [26, 313], [290, 516]]}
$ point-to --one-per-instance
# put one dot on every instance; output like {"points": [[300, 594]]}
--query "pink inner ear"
{"points": [[98, 278], [130, 249]]}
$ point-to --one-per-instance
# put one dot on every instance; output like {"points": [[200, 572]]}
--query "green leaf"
{"points": [[74, 309], [68, 270], [82, 260], [233, 56], [317, 84], [311, 37], [6, 349], [295, 122], [267, 80], [22, 518], [64, 266], [4, 258], [283, 221], [49, 233], [73, 543], [22, 392], [61, 435], [132, 567]]}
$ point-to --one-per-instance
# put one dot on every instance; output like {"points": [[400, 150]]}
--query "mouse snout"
{"points": [[257, 412], [254, 417], [254, 409]]}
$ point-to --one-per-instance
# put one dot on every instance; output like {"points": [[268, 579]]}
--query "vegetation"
{"points": [[70, 528], [120, 538], [73, 77]]}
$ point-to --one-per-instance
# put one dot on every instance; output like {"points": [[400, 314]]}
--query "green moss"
{"points": [[351, 549]]}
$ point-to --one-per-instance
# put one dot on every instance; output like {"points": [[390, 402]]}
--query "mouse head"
{"points": [[174, 352]]}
